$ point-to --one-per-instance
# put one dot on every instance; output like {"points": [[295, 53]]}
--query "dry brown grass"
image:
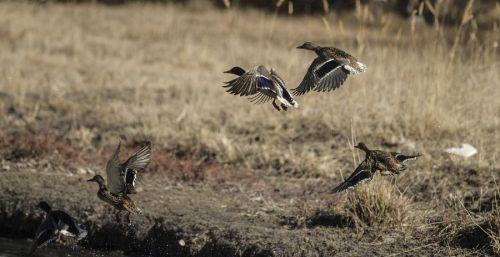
{"points": [[380, 204], [377, 204], [494, 231], [91, 74]]}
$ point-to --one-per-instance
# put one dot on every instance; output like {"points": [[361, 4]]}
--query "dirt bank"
{"points": [[197, 220]]}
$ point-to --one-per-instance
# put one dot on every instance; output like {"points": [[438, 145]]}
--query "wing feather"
{"points": [[44, 238], [401, 158], [309, 81], [332, 75], [44, 234], [140, 159], [251, 82], [324, 75], [260, 98], [362, 173], [113, 172]]}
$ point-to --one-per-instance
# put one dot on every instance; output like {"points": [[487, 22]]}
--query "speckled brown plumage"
{"points": [[121, 201], [121, 180], [387, 163], [329, 70]]}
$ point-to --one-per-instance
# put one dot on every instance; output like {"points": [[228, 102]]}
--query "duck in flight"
{"points": [[56, 223], [121, 180], [260, 85], [329, 70], [387, 163]]}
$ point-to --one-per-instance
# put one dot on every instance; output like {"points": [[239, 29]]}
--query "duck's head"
{"points": [[236, 71], [361, 146], [98, 179], [308, 46], [44, 206]]}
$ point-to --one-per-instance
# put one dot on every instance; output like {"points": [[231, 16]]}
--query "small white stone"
{"points": [[466, 150]]}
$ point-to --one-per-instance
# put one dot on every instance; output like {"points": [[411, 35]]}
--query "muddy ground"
{"points": [[274, 218]]}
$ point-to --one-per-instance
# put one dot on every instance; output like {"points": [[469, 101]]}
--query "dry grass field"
{"points": [[231, 178]]}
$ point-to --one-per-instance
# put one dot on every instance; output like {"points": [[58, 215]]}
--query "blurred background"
{"points": [[230, 178], [445, 11]]}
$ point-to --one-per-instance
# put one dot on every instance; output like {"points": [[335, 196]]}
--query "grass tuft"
{"points": [[379, 204]]}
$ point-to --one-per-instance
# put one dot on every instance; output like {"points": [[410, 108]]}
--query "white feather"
{"points": [[362, 67], [351, 69]]}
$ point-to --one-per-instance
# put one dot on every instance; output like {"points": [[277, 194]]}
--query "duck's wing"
{"points": [[115, 182], [362, 173], [262, 97], [401, 158], [42, 239], [67, 223], [251, 82], [134, 164], [270, 92], [140, 159], [44, 234], [324, 74]]}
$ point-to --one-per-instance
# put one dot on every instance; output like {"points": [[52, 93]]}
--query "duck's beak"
{"points": [[300, 47], [91, 180], [228, 71]]}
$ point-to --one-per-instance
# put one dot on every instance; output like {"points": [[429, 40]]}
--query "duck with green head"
{"points": [[261, 86]]}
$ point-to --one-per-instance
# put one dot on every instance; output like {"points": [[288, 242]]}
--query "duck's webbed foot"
{"points": [[284, 107], [276, 106]]}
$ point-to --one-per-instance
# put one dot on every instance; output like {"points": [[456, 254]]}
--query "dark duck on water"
{"points": [[55, 223]]}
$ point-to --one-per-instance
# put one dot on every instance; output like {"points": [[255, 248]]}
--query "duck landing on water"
{"points": [[329, 70], [56, 223], [261, 85]]}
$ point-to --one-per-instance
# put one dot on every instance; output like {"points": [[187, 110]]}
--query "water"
{"points": [[19, 247]]}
